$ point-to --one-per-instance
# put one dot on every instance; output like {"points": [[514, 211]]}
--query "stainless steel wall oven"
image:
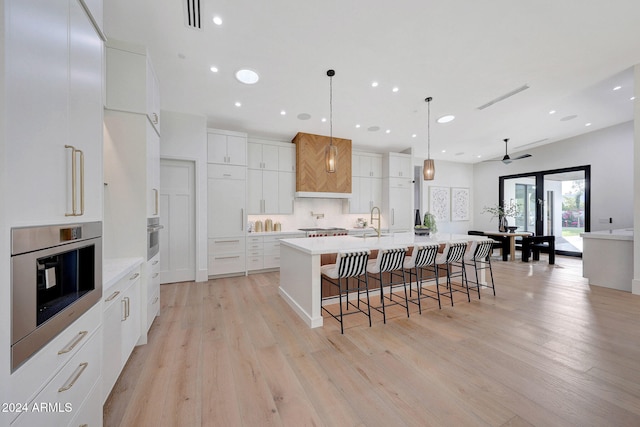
{"points": [[56, 276], [153, 237]]}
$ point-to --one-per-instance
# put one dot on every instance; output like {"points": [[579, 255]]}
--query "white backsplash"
{"points": [[330, 212]]}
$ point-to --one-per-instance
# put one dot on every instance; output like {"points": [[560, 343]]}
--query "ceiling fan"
{"points": [[507, 159]]}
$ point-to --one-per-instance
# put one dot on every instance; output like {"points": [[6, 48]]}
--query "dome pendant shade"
{"points": [[429, 170], [331, 158]]}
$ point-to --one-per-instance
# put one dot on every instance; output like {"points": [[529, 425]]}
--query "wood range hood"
{"points": [[312, 180]]}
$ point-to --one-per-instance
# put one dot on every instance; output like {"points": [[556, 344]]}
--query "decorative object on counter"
{"points": [[417, 220], [430, 222], [277, 227], [250, 225], [268, 225], [361, 223], [257, 227], [429, 167], [331, 152], [512, 229], [502, 212]]}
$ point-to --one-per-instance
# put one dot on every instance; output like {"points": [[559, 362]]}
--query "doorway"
{"points": [[177, 211], [554, 202]]}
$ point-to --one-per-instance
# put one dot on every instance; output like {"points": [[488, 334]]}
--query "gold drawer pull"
{"points": [[79, 370], [155, 275], [74, 342], [155, 300], [154, 262], [135, 276], [112, 296]]}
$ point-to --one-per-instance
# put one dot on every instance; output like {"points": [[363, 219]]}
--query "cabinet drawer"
{"points": [[64, 394], [40, 368], [254, 263], [271, 247], [226, 245], [272, 261], [226, 264], [255, 239], [254, 246], [90, 413], [399, 183], [153, 307], [226, 171]]}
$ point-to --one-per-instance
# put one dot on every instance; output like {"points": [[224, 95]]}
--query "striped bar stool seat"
{"points": [[479, 255], [390, 260], [452, 258], [349, 264], [422, 264]]}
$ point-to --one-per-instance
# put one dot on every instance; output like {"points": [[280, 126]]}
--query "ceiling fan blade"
{"points": [[524, 156]]}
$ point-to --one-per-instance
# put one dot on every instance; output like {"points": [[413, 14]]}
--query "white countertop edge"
{"points": [[114, 269], [621, 234], [273, 233]]}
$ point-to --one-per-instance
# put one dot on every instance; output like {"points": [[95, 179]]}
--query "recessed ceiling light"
{"points": [[395, 89], [587, 124], [632, 98], [324, 119], [217, 20], [283, 113], [479, 156], [414, 135], [446, 119], [238, 104], [374, 84], [388, 131], [552, 112], [214, 69], [617, 88], [247, 76], [444, 151], [357, 126]]}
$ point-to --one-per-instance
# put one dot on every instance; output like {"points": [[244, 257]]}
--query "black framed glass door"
{"points": [[553, 202]]}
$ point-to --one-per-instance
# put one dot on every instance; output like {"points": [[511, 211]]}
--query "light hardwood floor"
{"points": [[548, 350]]}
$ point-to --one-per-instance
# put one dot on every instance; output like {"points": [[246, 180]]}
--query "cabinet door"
{"points": [[376, 167], [237, 150], [400, 165], [286, 192], [356, 161], [153, 96], [270, 192], [216, 148], [130, 305], [112, 331], [153, 172], [254, 192], [226, 207], [376, 192], [355, 205], [287, 158], [365, 195], [270, 157], [400, 210], [254, 155]]}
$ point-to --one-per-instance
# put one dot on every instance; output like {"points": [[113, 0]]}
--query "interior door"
{"points": [[177, 215]]}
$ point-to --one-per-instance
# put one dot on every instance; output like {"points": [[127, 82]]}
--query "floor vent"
{"points": [[503, 97], [192, 14]]}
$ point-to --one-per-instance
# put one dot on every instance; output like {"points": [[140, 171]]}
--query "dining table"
{"points": [[512, 239]]}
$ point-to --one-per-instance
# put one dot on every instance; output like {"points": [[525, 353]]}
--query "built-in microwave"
{"points": [[56, 276]]}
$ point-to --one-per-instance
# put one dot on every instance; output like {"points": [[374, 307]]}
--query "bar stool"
{"points": [[352, 263], [423, 258], [480, 256], [453, 256], [390, 260]]}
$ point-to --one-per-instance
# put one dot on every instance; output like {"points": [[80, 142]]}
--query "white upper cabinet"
{"points": [[132, 85], [287, 158], [227, 149], [153, 173], [262, 156], [366, 182], [47, 114], [398, 165], [367, 165], [271, 177]]}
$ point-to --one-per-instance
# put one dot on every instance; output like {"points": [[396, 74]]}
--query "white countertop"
{"points": [[114, 269], [274, 233], [333, 244], [620, 234]]}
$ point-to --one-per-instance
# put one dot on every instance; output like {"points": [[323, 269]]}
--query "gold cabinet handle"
{"points": [[157, 200], [155, 300], [74, 342], [112, 296], [135, 276], [155, 275], [74, 180], [154, 262], [74, 377], [124, 309]]}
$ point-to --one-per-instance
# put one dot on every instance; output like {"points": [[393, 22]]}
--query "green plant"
{"points": [[510, 209], [430, 222]]}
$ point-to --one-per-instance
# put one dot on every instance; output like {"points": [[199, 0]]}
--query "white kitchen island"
{"points": [[300, 264], [607, 258]]}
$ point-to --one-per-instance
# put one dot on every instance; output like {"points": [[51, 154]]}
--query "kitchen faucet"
{"points": [[373, 218]]}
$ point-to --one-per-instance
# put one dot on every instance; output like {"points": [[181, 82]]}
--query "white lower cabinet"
{"points": [[121, 305], [263, 251], [226, 255], [74, 361], [153, 289]]}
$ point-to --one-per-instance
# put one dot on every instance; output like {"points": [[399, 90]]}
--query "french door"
{"points": [[553, 202]]}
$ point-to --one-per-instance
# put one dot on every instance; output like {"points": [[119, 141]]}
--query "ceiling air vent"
{"points": [[503, 97], [192, 14]]}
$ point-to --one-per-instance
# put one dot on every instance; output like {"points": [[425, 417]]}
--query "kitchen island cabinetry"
{"points": [[607, 258], [48, 114]]}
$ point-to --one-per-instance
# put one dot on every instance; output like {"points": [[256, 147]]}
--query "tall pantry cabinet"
{"points": [[397, 197], [132, 165], [227, 202], [51, 80]]}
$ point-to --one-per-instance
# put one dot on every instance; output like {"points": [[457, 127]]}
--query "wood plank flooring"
{"points": [[547, 350]]}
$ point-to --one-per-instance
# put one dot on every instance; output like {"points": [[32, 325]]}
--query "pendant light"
{"points": [[331, 152], [429, 167]]}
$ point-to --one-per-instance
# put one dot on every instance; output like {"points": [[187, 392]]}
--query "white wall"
{"points": [[184, 137], [609, 151], [636, 179]]}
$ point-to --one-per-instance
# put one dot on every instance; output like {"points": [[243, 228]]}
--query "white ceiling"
{"points": [[463, 53]]}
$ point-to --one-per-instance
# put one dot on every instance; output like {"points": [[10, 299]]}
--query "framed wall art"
{"points": [[459, 204], [439, 205]]}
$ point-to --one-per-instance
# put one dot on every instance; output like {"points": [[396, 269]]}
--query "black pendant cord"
{"points": [[428, 127]]}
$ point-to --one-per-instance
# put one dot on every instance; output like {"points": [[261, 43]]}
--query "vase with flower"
{"points": [[502, 212]]}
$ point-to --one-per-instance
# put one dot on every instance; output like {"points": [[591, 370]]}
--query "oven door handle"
{"points": [[154, 228]]}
